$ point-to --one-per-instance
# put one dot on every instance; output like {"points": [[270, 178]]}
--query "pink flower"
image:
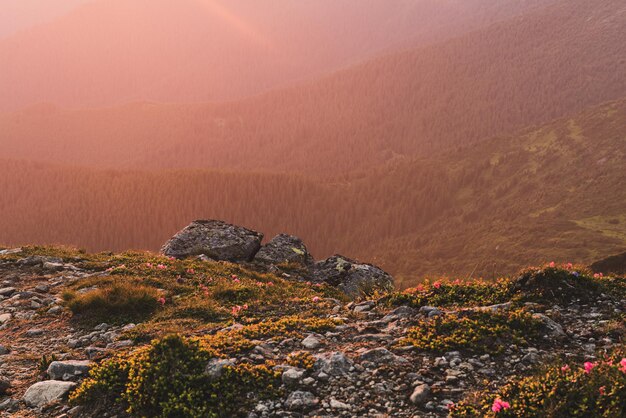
{"points": [[191, 271], [552, 264], [236, 309], [451, 406], [316, 299], [161, 300], [245, 307], [565, 368], [622, 365], [308, 283], [602, 390], [161, 266], [236, 281], [499, 405], [569, 266], [149, 265], [233, 276], [269, 284], [589, 366], [437, 285], [598, 276]]}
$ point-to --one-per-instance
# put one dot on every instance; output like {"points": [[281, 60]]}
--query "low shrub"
{"points": [[167, 379], [480, 331], [116, 302], [590, 390]]}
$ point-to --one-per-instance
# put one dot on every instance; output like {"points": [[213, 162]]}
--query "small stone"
{"points": [[300, 400], [55, 310], [292, 376], [7, 291], [311, 342], [34, 332], [335, 404], [4, 318], [4, 350], [420, 394], [5, 384]]}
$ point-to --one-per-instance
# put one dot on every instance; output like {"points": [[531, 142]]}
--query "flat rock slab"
{"points": [[68, 370]]}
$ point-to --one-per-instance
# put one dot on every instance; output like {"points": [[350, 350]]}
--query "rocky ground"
{"points": [[363, 367]]}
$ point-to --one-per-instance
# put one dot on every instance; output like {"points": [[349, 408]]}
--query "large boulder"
{"points": [[284, 248], [215, 239], [352, 277], [48, 391]]}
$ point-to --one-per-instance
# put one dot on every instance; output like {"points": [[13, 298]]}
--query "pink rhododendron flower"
{"points": [[437, 285], [191, 271], [316, 299], [161, 300], [233, 276], [589, 366], [622, 365], [552, 264], [236, 281], [569, 266], [161, 266], [565, 368], [269, 284], [149, 265], [598, 276], [499, 405], [602, 390]]}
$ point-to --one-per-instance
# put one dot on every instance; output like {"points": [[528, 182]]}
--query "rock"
{"points": [[55, 310], [292, 376], [7, 291], [43, 393], [5, 384], [311, 342], [553, 328], [381, 355], [4, 350], [352, 277], [215, 239], [335, 404], [50, 266], [215, 368], [420, 394], [334, 364], [4, 318], [34, 332], [364, 306], [69, 369], [284, 248], [300, 400]]}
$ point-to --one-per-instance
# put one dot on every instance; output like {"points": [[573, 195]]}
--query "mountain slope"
{"points": [[458, 212], [111, 51], [525, 71]]}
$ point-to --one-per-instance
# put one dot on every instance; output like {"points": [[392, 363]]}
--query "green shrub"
{"points": [[454, 294], [480, 331], [116, 302], [167, 379], [559, 392]]}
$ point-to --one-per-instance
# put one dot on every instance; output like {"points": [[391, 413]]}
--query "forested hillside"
{"points": [[478, 209], [111, 51], [524, 72]]}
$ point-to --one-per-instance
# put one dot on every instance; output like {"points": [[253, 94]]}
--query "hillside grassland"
{"points": [[552, 192]]}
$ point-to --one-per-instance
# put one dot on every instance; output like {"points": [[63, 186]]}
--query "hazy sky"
{"points": [[21, 14]]}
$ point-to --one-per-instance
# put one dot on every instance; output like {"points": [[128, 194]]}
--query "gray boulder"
{"points": [[352, 277], [215, 239], [284, 248], [48, 391], [69, 369]]}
